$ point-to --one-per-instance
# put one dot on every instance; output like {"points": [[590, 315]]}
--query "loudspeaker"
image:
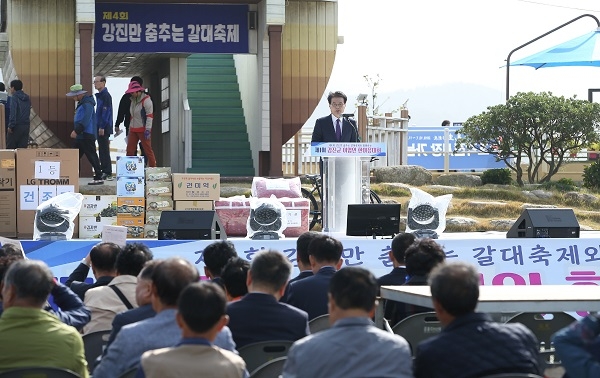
{"points": [[545, 223], [190, 225]]}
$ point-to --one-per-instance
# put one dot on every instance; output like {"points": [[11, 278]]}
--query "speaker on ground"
{"points": [[190, 225], [545, 223]]}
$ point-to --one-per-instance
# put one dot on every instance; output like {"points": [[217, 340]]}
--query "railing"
{"points": [[390, 130]]}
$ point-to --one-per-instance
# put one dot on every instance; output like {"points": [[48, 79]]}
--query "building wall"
{"points": [[41, 36]]}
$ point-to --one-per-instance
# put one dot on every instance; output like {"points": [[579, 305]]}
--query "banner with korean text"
{"points": [[171, 28]]}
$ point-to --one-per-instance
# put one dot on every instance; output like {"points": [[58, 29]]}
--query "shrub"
{"points": [[591, 175], [499, 176], [562, 185]]}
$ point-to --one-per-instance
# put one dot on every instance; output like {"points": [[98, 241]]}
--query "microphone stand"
{"points": [[346, 117]]}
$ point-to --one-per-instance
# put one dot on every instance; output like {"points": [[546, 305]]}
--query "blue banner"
{"points": [[171, 28], [426, 146]]}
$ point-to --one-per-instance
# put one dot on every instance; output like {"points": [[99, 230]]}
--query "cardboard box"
{"points": [[158, 174], [135, 226], [187, 186], [194, 205], [153, 217], [130, 166], [158, 203], [8, 171], [91, 227], [8, 213], [151, 231], [134, 207], [130, 187], [98, 206], [159, 189], [43, 168]]}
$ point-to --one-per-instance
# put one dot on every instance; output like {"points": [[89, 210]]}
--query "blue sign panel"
{"points": [[171, 28], [426, 146]]}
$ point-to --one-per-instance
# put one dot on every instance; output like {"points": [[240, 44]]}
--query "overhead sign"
{"points": [[171, 28]]}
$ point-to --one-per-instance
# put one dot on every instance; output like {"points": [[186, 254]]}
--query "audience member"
{"points": [[577, 347], [201, 316], [233, 277], [471, 344], [302, 255], [310, 293], [119, 295], [143, 298], [259, 316], [169, 279], [101, 259], [397, 276], [30, 336], [9, 249], [69, 308], [353, 346], [421, 257], [215, 257]]}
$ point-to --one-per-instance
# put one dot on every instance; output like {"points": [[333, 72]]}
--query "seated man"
{"points": [[577, 346], [302, 255], [30, 336], [119, 295], [233, 277], [259, 316], [421, 257], [201, 316], [215, 256], [471, 344], [310, 293], [353, 346], [102, 260], [169, 279], [400, 244]]}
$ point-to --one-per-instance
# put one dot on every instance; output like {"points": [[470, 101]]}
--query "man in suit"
{"points": [[215, 256], [302, 255], [169, 279], [353, 346], [335, 127], [471, 344], [234, 277], [259, 316], [310, 294], [102, 260], [201, 316], [399, 245]]}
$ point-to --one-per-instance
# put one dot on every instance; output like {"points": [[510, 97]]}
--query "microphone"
{"points": [[346, 117]]}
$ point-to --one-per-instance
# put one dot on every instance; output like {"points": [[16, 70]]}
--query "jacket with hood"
{"points": [[85, 118], [104, 113], [20, 106]]}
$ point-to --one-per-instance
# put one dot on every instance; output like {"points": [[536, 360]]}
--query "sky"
{"points": [[441, 44], [447, 58]]}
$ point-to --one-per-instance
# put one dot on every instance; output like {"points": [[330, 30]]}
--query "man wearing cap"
{"points": [[84, 131], [140, 124], [104, 122]]}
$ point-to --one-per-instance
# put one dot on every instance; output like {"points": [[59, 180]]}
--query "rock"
{"points": [[445, 188], [529, 195], [395, 185], [460, 221], [230, 191], [502, 224], [486, 203], [581, 197], [542, 194], [408, 174], [457, 179], [537, 206], [98, 190]]}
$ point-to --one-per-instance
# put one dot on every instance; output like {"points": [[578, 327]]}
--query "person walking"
{"points": [[140, 125], [84, 131], [104, 119], [17, 130]]}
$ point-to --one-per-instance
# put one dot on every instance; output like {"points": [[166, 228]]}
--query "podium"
{"points": [[346, 178]]}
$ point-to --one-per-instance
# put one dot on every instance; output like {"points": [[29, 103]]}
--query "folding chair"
{"points": [[129, 373], [418, 327], [39, 372], [513, 375], [94, 344], [319, 323], [257, 354], [271, 369]]}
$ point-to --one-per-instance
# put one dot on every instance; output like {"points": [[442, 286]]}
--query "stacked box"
{"points": [[130, 166], [233, 213], [131, 201], [95, 213], [297, 210], [159, 197], [8, 195], [135, 226], [188, 186], [43, 173], [194, 205], [130, 186]]}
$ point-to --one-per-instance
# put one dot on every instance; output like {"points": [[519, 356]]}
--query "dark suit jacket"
{"points": [[76, 281], [310, 293], [303, 274], [396, 277], [324, 131], [400, 310], [128, 317], [260, 317]]}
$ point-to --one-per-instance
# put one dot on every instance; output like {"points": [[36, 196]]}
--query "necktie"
{"points": [[338, 130]]}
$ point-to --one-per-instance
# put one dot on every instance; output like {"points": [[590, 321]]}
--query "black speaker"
{"points": [[545, 223], [190, 225]]}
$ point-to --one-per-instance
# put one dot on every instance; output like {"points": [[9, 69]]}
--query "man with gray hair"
{"points": [[259, 316], [30, 336], [471, 344]]}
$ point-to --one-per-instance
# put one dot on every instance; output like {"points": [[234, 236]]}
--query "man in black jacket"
{"points": [[471, 344], [102, 260], [17, 130]]}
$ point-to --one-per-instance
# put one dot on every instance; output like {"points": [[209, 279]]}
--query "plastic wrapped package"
{"points": [[297, 210], [233, 213], [279, 187], [426, 212], [54, 218], [267, 215]]}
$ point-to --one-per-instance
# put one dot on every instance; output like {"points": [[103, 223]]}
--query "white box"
{"points": [[91, 227], [130, 166], [98, 206], [130, 187]]}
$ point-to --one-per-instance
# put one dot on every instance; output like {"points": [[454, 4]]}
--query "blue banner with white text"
{"points": [[171, 28]]}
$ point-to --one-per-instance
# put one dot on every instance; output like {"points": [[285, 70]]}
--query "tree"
{"points": [[535, 128]]}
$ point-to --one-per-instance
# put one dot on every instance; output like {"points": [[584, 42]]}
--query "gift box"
{"points": [[233, 213], [279, 187], [298, 210]]}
